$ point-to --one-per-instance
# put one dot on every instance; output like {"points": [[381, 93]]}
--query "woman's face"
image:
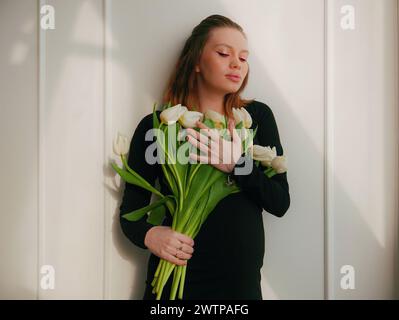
{"points": [[225, 53]]}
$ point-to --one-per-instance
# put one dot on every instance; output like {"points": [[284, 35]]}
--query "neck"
{"points": [[210, 99]]}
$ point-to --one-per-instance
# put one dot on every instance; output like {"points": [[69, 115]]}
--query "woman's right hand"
{"points": [[169, 244]]}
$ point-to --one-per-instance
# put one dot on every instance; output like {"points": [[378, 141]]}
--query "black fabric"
{"points": [[229, 249]]}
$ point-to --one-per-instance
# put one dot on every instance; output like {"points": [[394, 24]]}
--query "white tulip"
{"points": [[121, 145], [189, 119], [216, 117], [247, 117], [279, 164], [171, 115], [241, 114], [264, 154], [242, 133]]}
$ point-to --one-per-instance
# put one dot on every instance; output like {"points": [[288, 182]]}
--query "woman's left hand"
{"points": [[220, 153]]}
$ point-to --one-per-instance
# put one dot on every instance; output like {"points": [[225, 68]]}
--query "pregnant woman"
{"points": [[225, 258]]}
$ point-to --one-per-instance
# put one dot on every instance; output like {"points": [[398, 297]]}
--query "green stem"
{"points": [[182, 281], [168, 270], [270, 172], [191, 177], [176, 280], [159, 281], [168, 178], [174, 171], [157, 273]]}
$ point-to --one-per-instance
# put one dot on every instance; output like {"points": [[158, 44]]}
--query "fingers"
{"points": [[187, 249], [177, 256], [180, 253], [199, 159], [171, 258], [185, 239], [198, 135], [205, 130], [197, 144], [170, 245], [212, 150], [176, 244]]}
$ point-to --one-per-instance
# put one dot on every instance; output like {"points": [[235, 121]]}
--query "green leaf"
{"points": [[254, 133], [157, 215], [141, 181], [134, 179], [207, 203], [155, 120], [167, 167], [240, 125], [178, 168], [210, 123], [202, 181], [194, 222], [219, 190], [139, 213]]}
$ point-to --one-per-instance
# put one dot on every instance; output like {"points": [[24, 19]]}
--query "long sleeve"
{"points": [[272, 194], [135, 197]]}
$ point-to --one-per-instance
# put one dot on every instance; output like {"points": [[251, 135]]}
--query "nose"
{"points": [[236, 63]]}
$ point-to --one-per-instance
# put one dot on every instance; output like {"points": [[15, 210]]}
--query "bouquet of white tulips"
{"points": [[268, 158], [195, 188]]}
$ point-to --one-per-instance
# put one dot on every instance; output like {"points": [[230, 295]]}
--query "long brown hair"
{"points": [[181, 86]]}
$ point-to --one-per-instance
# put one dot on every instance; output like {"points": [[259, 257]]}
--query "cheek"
{"points": [[214, 68], [245, 69]]}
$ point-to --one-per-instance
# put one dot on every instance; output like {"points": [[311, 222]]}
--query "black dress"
{"points": [[229, 248]]}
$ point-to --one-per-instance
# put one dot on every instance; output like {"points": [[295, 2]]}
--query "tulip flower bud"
{"points": [[241, 114], [172, 114], [279, 164], [264, 154], [121, 145], [189, 118], [217, 118]]}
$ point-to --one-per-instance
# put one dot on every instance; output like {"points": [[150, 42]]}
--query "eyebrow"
{"points": [[224, 44]]}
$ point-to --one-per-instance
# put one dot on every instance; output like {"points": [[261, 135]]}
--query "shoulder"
{"points": [[258, 110], [146, 122]]}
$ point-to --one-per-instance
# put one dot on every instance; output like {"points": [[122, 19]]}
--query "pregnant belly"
{"points": [[232, 235]]}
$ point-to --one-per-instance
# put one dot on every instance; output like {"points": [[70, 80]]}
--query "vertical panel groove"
{"points": [[324, 162], [396, 246], [328, 161], [41, 145], [107, 125]]}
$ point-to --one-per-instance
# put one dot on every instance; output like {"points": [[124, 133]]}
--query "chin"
{"points": [[234, 88], [230, 87]]}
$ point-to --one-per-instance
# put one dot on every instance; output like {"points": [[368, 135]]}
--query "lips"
{"points": [[233, 77]]}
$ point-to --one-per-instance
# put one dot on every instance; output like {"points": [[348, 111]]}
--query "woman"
{"points": [[225, 259]]}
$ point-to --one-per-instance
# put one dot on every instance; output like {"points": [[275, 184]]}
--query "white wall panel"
{"points": [[72, 138], [362, 100], [19, 150]]}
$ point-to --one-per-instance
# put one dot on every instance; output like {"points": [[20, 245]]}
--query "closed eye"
{"points": [[225, 55]]}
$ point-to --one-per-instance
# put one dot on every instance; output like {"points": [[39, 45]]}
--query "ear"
{"points": [[197, 68]]}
